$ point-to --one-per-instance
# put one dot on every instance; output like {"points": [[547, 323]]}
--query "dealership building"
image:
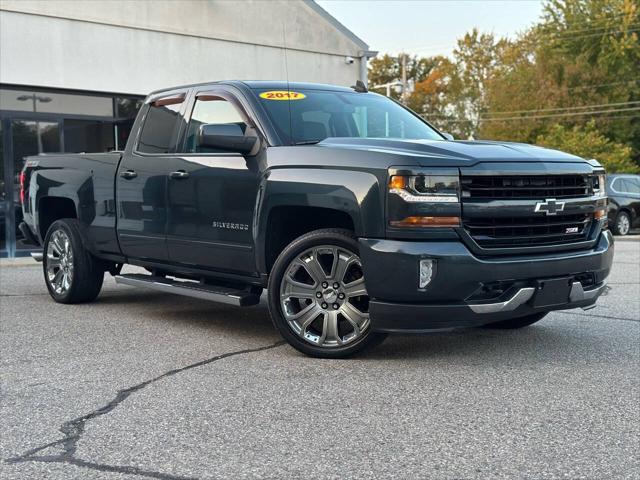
{"points": [[73, 73]]}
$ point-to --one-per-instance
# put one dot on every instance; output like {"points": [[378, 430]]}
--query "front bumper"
{"points": [[453, 298]]}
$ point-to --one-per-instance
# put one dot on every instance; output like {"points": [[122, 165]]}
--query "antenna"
{"points": [[286, 58], [286, 72], [360, 87]]}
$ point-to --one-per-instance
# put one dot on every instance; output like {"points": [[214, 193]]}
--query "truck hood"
{"points": [[460, 153]]}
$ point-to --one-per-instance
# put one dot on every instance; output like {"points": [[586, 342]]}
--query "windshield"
{"points": [[317, 114]]}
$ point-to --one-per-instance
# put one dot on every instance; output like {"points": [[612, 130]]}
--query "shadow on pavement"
{"points": [[550, 340]]}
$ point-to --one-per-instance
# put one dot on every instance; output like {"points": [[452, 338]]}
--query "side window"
{"points": [[207, 110], [631, 185], [160, 125], [618, 186]]}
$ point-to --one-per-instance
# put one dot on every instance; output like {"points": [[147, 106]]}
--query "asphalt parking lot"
{"points": [[146, 385]]}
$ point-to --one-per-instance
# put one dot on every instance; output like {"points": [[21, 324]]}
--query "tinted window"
{"points": [[313, 115], [617, 185], [209, 110], [159, 128], [631, 185], [127, 107], [88, 136]]}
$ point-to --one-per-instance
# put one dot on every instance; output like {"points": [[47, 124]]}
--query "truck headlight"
{"points": [[423, 198], [425, 188], [598, 184]]}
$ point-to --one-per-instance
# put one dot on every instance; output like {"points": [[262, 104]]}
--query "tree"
{"points": [[577, 69], [580, 64], [588, 142]]}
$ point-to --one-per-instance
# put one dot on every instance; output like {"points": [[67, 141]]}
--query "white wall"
{"points": [[48, 50]]}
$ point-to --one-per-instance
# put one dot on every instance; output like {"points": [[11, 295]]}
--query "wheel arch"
{"points": [[293, 202], [59, 193], [52, 208]]}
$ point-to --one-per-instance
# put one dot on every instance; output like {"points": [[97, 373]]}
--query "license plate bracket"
{"points": [[552, 292]]}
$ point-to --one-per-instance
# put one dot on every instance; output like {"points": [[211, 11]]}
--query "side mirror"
{"points": [[225, 136], [448, 136]]}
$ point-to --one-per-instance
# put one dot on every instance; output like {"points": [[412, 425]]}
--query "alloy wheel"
{"points": [[623, 225], [324, 298], [59, 262]]}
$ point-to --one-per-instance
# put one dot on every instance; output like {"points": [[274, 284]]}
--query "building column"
{"points": [[365, 55]]}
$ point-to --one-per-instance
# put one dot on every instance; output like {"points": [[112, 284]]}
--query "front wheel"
{"points": [[519, 322], [622, 224], [318, 298], [71, 273]]}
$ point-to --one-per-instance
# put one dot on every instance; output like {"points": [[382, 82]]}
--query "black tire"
{"points": [[87, 272], [622, 224], [519, 322], [343, 239]]}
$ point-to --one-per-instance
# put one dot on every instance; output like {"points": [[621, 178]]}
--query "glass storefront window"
{"points": [[37, 121], [127, 107], [29, 137], [88, 136], [3, 202], [50, 102], [2, 186]]}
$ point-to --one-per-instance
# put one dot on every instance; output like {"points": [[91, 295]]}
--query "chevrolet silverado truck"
{"points": [[358, 217]]}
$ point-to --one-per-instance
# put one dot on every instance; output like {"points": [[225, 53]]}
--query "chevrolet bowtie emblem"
{"points": [[550, 206]]}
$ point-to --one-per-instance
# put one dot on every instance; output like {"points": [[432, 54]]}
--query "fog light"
{"points": [[426, 272]]}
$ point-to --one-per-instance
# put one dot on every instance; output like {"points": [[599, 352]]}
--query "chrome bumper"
{"points": [[577, 294]]}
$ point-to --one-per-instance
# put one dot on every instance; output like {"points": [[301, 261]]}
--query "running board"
{"points": [[214, 293]]}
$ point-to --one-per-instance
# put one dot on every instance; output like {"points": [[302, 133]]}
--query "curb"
{"points": [[18, 262]]}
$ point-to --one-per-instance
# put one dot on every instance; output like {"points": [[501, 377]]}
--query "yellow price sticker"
{"points": [[282, 95]]}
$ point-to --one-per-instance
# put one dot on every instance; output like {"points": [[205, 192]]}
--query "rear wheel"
{"points": [[622, 224], [519, 322], [318, 298], [71, 274]]}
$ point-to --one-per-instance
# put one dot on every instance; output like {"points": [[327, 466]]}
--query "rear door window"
{"points": [[161, 125], [631, 185]]}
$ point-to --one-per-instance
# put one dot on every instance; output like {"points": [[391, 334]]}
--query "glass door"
{"points": [[27, 137], [3, 201]]}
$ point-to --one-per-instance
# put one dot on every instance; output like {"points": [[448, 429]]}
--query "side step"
{"points": [[215, 293]]}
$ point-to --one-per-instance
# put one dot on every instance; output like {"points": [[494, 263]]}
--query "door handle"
{"points": [[180, 174], [128, 174]]}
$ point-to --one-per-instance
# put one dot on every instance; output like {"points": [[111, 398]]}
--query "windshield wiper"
{"points": [[308, 142]]}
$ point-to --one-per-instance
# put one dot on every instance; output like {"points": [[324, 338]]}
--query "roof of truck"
{"points": [[263, 84]]}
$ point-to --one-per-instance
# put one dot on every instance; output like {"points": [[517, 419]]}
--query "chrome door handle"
{"points": [[128, 174], [179, 174]]}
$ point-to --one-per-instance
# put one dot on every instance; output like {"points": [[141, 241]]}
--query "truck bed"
{"points": [[86, 179]]}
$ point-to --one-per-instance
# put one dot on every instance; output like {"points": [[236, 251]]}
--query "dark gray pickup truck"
{"points": [[358, 217]]}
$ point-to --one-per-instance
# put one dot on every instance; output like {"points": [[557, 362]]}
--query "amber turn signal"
{"points": [[599, 214], [397, 182], [425, 222]]}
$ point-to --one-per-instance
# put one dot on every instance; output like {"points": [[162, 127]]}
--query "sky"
{"points": [[431, 27]]}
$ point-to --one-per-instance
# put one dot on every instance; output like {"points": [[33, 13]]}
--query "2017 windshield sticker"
{"points": [[282, 95]]}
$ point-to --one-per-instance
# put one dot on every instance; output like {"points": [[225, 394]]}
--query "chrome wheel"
{"points": [[59, 262], [623, 224], [323, 296]]}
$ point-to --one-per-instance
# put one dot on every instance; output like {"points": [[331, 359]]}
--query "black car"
{"points": [[624, 202]]}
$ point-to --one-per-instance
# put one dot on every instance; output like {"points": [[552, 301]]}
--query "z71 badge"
{"points": [[230, 225]]}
